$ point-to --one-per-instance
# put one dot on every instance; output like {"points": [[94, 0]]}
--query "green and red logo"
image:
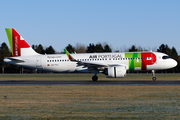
{"points": [[139, 61], [16, 42]]}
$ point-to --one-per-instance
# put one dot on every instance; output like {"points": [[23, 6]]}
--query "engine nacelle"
{"points": [[116, 71]]}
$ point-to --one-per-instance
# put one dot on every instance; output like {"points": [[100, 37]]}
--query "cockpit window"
{"points": [[165, 57]]}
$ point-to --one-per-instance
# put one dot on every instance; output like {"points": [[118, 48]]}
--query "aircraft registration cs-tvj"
{"points": [[113, 65]]}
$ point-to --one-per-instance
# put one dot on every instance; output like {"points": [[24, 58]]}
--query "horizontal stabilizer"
{"points": [[14, 59]]}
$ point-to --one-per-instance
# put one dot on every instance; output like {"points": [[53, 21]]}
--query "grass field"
{"points": [[88, 102]]}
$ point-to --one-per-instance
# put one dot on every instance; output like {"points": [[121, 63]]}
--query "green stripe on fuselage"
{"points": [[134, 62]]}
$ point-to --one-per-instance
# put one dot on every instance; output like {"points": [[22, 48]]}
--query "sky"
{"points": [[119, 23]]}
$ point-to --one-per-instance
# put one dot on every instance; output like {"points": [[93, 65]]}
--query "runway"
{"points": [[100, 82]]}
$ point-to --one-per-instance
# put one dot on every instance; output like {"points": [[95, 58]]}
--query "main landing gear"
{"points": [[95, 78], [153, 74]]}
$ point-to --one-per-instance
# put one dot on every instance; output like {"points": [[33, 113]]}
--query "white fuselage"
{"points": [[61, 63]]}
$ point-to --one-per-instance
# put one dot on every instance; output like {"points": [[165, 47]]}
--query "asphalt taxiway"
{"points": [[100, 82]]}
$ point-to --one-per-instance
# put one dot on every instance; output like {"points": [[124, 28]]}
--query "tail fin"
{"points": [[19, 47]]}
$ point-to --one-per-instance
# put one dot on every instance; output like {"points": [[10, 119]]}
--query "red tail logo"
{"points": [[18, 43]]}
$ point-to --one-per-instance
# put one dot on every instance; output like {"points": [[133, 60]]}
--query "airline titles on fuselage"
{"points": [[53, 56], [105, 56]]}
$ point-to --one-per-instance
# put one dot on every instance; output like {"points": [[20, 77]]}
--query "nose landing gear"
{"points": [[153, 74]]}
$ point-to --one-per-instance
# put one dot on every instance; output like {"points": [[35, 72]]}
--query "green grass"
{"points": [[85, 77], [89, 102]]}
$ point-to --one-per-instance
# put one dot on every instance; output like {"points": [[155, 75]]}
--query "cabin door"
{"points": [[38, 61]]}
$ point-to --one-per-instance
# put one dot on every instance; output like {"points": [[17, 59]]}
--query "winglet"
{"points": [[69, 56]]}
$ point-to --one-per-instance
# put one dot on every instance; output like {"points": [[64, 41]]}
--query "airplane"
{"points": [[114, 65]]}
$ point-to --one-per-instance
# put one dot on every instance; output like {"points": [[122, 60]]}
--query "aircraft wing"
{"points": [[91, 64], [85, 63]]}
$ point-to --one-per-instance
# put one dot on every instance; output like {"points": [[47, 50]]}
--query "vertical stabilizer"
{"points": [[19, 47]]}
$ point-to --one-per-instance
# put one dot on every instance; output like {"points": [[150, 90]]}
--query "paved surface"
{"points": [[175, 82]]}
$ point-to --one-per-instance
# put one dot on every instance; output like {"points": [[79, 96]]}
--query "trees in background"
{"points": [[164, 49], [4, 52], [90, 48], [5, 67], [50, 50], [133, 49], [39, 49], [80, 48], [70, 48], [98, 48], [107, 48]]}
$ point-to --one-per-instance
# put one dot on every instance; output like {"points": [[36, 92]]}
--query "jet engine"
{"points": [[116, 71]]}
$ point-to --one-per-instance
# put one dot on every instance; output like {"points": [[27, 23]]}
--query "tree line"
{"points": [[80, 48]]}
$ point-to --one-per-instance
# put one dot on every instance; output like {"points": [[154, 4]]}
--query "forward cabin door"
{"points": [[38, 61], [153, 58]]}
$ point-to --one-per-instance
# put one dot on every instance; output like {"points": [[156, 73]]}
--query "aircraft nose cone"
{"points": [[174, 63]]}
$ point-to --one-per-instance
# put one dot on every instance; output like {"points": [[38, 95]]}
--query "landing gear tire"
{"points": [[153, 74], [154, 78], [94, 78]]}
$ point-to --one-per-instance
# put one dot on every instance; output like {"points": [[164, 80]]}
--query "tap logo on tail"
{"points": [[16, 42]]}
